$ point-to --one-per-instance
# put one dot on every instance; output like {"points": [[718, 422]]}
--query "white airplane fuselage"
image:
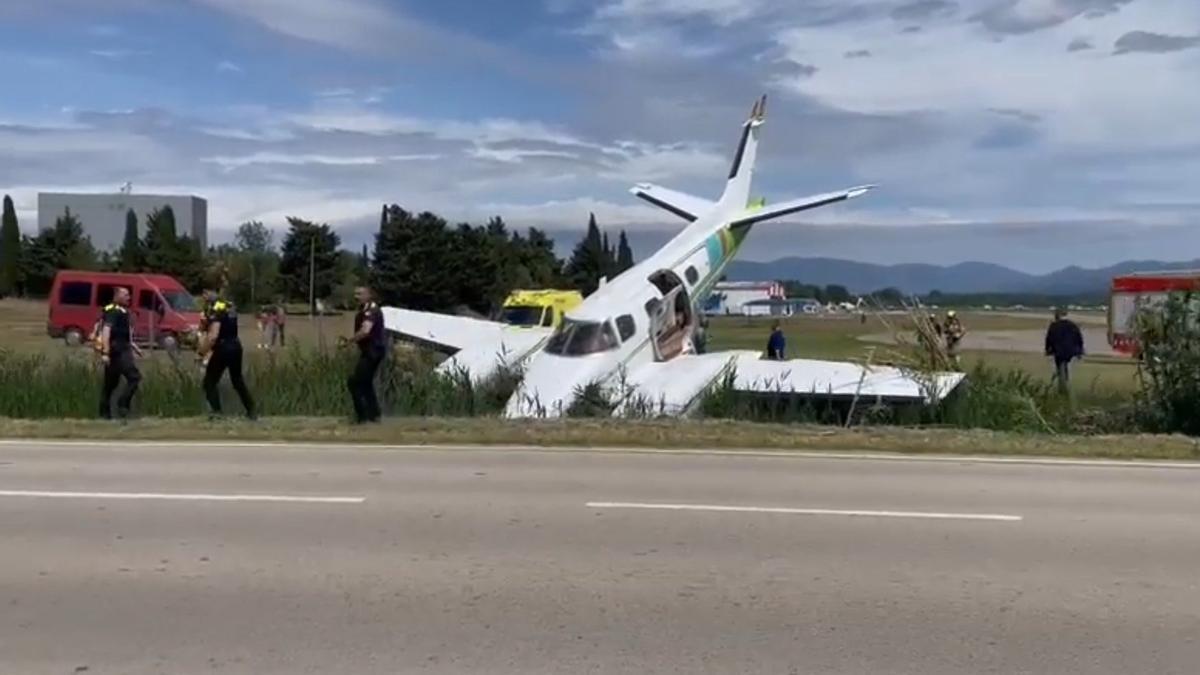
{"points": [[649, 312], [688, 266]]}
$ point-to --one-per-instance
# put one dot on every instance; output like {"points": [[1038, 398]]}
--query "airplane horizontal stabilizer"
{"points": [[679, 203], [796, 205]]}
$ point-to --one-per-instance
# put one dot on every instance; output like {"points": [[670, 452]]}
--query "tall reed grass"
{"points": [[294, 382]]}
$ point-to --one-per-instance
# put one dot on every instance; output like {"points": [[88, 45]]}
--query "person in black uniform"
{"points": [[117, 350], [372, 347], [223, 351]]}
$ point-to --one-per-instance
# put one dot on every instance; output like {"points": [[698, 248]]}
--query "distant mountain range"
{"points": [[969, 277]]}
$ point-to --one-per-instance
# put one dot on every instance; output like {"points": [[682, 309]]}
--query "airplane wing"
{"points": [[797, 205], [840, 379], [477, 346], [444, 332], [672, 387], [679, 203], [676, 387]]}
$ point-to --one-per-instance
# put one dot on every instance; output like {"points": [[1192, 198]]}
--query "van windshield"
{"points": [[521, 315], [180, 301], [579, 338]]}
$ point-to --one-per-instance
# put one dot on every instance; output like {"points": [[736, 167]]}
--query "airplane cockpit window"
{"points": [[626, 327], [579, 338], [521, 315]]}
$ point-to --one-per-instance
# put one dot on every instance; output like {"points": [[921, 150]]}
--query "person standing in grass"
{"points": [[279, 313], [1064, 343], [223, 351], [372, 347], [953, 331], [776, 343], [117, 351]]}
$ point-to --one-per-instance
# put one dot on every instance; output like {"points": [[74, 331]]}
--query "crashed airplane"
{"points": [[633, 336]]}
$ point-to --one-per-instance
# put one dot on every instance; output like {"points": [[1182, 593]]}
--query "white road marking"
{"points": [[717, 452], [805, 512], [182, 497]]}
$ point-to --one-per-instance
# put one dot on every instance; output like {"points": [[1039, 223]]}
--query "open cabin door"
{"points": [[672, 318]]}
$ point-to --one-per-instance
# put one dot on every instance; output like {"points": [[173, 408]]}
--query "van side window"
{"points": [[626, 327], [148, 300], [75, 293], [105, 293], [692, 275]]}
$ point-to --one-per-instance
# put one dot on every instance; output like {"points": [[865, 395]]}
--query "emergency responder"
{"points": [[222, 350], [776, 343], [1064, 342], [953, 331], [372, 347], [117, 351]]}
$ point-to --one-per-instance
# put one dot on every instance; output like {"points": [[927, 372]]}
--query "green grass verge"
{"points": [[667, 434]]}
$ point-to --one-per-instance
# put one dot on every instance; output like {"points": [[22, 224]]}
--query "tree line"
{"points": [[419, 260]]}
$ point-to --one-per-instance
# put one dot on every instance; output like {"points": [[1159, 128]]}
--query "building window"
{"points": [[626, 327], [75, 293], [692, 275]]}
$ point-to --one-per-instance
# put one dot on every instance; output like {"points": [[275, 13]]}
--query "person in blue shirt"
{"points": [[776, 344]]}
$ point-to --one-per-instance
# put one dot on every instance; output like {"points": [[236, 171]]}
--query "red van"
{"points": [[163, 312]]}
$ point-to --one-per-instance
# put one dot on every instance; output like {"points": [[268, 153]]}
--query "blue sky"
{"points": [[1032, 133]]}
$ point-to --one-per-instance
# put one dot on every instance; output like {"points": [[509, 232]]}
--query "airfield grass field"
{"points": [[23, 329]]}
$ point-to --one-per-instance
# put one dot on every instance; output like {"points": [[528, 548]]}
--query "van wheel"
{"points": [[73, 337], [169, 343]]}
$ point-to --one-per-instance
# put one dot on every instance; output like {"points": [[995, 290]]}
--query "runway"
{"points": [[253, 558]]}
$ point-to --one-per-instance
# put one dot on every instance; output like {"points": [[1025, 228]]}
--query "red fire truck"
{"points": [[1141, 290]]}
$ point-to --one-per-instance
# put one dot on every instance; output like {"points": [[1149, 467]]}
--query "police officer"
{"points": [[117, 351], [372, 347], [223, 350]]}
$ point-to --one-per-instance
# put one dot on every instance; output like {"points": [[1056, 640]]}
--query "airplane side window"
{"points": [[626, 327], [692, 275]]}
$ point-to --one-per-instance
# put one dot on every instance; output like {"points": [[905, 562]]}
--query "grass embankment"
{"points": [[580, 433]]}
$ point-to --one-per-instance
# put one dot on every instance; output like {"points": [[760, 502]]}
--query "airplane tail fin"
{"points": [[737, 190]]}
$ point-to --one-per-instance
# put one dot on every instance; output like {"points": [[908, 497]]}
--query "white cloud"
{"points": [[117, 54], [347, 24], [720, 12], [230, 163], [229, 67]]}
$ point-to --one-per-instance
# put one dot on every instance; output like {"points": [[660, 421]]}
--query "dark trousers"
{"points": [[362, 386], [226, 357], [1062, 373], [120, 365]]}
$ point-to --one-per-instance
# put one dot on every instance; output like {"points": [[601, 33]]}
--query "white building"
{"points": [[732, 297], [103, 215]]}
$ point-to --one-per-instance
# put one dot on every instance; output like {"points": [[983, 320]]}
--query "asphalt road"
{"points": [[171, 560]]}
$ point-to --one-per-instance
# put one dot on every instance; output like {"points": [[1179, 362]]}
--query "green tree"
{"points": [[309, 253], [624, 254], [63, 246], [362, 267], [132, 256], [837, 293], [253, 266], [10, 250], [589, 260], [419, 263], [162, 240]]}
